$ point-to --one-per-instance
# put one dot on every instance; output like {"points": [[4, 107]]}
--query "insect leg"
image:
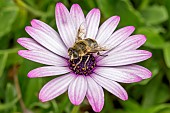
{"points": [[81, 58], [101, 49], [98, 53], [88, 56]]}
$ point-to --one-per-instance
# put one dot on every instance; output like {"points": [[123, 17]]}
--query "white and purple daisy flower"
{"points": [[51, 48]]}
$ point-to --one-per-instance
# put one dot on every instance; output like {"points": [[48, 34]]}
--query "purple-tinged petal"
{"points": [[124, 58], [55, 87], [131, 43], [43, 57], [77, 15], [136, 69], [95, 94], [46, 40], [111, 86], [48, 30], [65, 25], [30, 44], [77, 90], [117, 75], [92, 21], [48, 71], [106, 29], [118, 37]]}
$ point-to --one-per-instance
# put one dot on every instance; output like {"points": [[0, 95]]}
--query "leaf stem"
{"points": [[9, 51], [14, 73], [28, 8], [75, 109], [3, 63]]}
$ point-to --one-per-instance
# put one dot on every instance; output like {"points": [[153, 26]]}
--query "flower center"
{"points": [[83, 66]]}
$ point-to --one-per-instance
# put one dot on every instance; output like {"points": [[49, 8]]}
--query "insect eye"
{"points": [[75, 54], [70, 50]]}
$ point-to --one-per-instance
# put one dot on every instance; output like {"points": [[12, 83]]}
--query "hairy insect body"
{"points": [[80, 47], [84, 47], [91, 43]]}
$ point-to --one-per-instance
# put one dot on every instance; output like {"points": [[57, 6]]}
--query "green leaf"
{"points": [[154, 39], [75, 109], [31, 94], [23, 14], [143, 4], [8, 105], [166, 51], [154, 66], [162, 108], [164, 111], [155, 14], [163, 94], [4, 58], [62, 105], [122, 8], [10, 93], [151, 92], [40, 104], [91, 3], [119, 111], [13, 58], [167, 4], [8, 13], [55, 106], [108, 103], [7, 58], [110, 9], [130, 105]]}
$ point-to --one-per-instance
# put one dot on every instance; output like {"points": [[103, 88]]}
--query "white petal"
{"points": [[119, 36], [77, 90], [117, 75], [65, 25], [95, 95], [47, 41], [30, 44], [77, 15], [55, 87], [136, 69], [106, 29], [111, 86], [131, 43], [124, 58], [48, 30], [48, 71], [43, 57], [92, 21]]}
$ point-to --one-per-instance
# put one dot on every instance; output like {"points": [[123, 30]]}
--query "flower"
{"points": [[50, 48]]}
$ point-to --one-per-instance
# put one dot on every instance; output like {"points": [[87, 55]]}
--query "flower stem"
{"points": [[75, 109], [9, 51], [14, 73], [30, 9], [3, 63]]}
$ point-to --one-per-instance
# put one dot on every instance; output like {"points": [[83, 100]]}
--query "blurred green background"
{"points": [[18, 93]]}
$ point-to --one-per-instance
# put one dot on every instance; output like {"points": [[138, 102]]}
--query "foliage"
{"points": [[150, 17]]}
